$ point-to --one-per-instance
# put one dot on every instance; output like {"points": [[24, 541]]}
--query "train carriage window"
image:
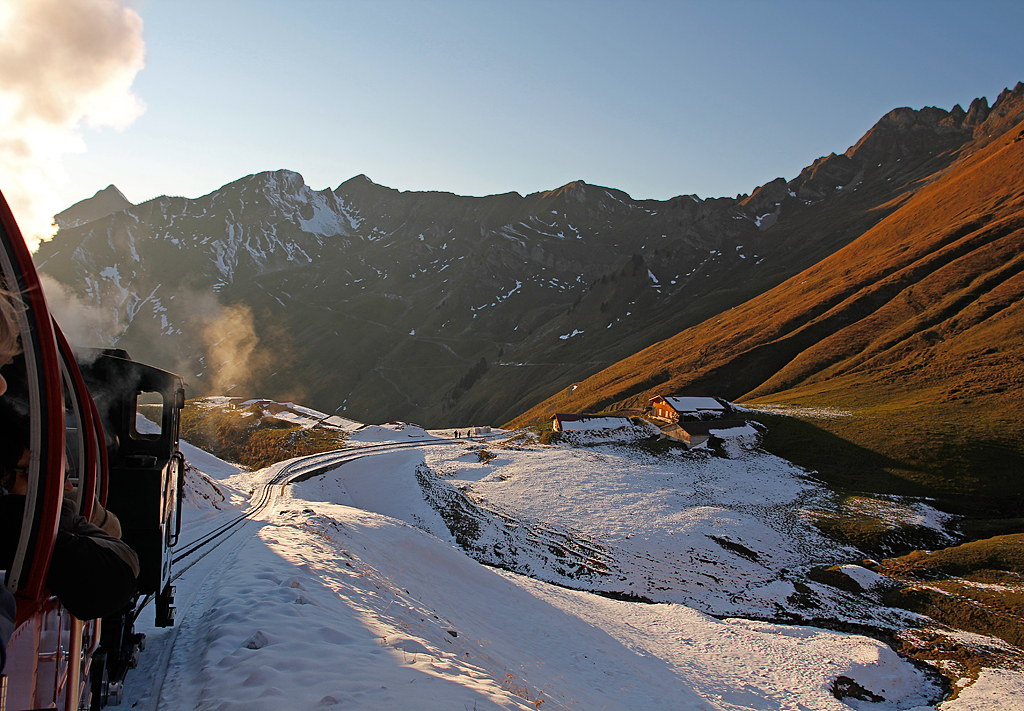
{"points": [[149, 416], [73, 464]]}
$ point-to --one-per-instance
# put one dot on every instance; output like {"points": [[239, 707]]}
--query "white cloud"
{"points": [[64, 64]]}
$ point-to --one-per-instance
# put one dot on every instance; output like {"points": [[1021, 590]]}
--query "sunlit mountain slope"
{"points": [[915, 330]]}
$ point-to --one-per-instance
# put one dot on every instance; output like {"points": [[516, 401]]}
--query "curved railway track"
{"points": [[196, 550], [296, 470]]}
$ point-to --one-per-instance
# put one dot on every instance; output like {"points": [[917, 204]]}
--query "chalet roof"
{"points": [[590, 422], [693, 404]]}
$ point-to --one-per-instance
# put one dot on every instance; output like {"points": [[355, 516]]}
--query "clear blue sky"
{"points": [[477, 97]]}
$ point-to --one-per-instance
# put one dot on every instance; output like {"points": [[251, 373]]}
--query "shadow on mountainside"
{"points": [[973, 477], [834, 459]]}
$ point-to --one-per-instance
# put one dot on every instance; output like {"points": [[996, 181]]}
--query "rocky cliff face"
{"points": [[381, 304]]}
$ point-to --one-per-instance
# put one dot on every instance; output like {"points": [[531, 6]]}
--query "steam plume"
{"points": [[62, 63], [232, 340]]}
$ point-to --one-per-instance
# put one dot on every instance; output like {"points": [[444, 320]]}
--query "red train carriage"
{"points": [[83, 417]]}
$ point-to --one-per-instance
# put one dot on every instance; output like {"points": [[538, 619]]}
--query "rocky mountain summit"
{"points": [[103, 203], [446, 309]]}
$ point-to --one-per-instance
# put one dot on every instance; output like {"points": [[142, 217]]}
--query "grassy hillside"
{"points": [[914, 330], [251, 438], [974, 586]]}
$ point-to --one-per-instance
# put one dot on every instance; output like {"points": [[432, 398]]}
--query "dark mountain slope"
{"points": [[447, 310], [916, 327]]}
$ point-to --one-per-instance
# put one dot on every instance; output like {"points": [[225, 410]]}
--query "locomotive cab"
{"points": [[140, 407]]}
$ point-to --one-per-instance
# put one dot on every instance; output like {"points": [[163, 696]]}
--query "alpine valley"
{"points": [[442, 309], [866, 317]]}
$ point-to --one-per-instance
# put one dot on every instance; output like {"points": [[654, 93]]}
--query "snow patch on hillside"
{"points": [[326, 220], [350, 592], [814, 413]]}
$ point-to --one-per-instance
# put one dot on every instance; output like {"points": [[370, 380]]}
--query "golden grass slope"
{"points": [[916, 327], [249, 438]]}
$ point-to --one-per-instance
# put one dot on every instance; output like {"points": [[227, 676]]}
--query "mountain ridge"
{"points": [[408, 291], [104, 202], [915, 324]]}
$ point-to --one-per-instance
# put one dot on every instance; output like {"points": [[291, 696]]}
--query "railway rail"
{"points": [[295, 470], [168, 679]]}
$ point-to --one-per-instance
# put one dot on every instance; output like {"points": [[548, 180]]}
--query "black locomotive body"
{"points": [[140, 409]]}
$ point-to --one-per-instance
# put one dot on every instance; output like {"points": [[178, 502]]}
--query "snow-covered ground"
{"points": [[300, 415], [352, 591]]}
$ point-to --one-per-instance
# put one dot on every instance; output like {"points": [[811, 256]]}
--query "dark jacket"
{"points": [[91, 573]]}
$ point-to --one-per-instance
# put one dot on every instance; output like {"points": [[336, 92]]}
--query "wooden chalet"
{"points": [[674, 409], [697, 432]]}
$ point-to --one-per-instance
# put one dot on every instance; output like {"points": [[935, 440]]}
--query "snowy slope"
{"points": [[727, 536], [349, 593]]}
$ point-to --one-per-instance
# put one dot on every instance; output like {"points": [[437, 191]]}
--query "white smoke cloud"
{"points": [[64, 64]]}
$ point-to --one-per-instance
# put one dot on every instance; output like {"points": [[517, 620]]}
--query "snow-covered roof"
{"points": [[299, 415], [743, 430], [694, 404], [591, 422], [343, 422]]}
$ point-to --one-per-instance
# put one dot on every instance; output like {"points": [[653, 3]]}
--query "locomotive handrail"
{"points": [[103, 480], [180, 458]]}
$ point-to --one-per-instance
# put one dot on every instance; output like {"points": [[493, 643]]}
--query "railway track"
{"points": [[295, 470], [174, 674]]}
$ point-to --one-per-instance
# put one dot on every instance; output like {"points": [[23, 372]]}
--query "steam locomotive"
{"points": [[84, 412]]}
